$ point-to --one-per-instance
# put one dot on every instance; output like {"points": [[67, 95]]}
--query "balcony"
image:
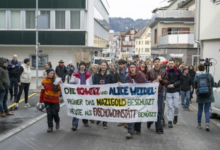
{"points": [[177, 39]]}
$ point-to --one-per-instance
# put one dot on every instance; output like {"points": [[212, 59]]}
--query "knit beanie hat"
{"points": [[49, 70], [133, 63], [82, 63]]}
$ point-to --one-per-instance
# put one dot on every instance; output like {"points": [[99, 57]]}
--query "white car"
{"points": [[215, 107]]}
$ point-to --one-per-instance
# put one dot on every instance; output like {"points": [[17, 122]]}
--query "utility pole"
{"points": [[36, 22]]}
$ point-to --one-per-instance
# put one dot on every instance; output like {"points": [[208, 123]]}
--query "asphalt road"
{"points": [[184, 136]]}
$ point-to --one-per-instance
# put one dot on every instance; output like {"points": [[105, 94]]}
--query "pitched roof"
{"points": [[123, 32], [140, 32]]}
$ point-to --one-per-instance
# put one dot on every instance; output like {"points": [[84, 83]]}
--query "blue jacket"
{"points": [[13, 72], [109, 78]]}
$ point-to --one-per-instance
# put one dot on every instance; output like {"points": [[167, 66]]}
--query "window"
{"points": [[30, 19], [139, 42], [15, 19], [147, 49], [142, 49], [75, 19], [155, 36], [46, 13], [60, 19], [146, 42], [136, 49], [142, 42], [42, 60], [3, 20]]}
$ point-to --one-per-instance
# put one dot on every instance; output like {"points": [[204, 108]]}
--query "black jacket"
{"points": [[61, 72], [186, 82], [13, 72], [175, 80], [192, 73]]}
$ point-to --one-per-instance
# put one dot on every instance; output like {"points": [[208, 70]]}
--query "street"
{"points": [[184, 135]]}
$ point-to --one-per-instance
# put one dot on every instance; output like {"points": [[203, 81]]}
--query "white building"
{"points": [[75, 27]]}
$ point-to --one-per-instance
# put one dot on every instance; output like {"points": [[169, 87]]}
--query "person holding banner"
{"points": [[103, 77], [81, 77], [134, 76], [50, 96], [159, 75]]}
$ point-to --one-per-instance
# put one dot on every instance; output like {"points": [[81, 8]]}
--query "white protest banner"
{"points": [[112, 102]]}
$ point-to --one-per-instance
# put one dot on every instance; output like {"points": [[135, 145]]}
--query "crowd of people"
{"points": [[174, 82]]}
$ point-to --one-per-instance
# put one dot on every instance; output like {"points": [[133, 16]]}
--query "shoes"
{"points": [[138, 133], [120, 124], [27, 105], [105, 126], [74, 128], [57, 125], [50, 130], [199, 126], [86, 125], [16, 106], [92, 121], [9, 114], [3, 115], [98, 122], [148, 125], [159, 132], [126, 125], [128, 136], [170, 125], [207, 127], [175, 120]]}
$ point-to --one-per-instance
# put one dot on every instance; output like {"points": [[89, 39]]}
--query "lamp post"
{"points": [[36, 22]]}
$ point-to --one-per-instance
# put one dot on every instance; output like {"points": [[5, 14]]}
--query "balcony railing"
{"points": [[173, 14]]}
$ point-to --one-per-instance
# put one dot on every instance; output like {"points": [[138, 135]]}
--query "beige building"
{"points": [[172, 32], [143, 43]]}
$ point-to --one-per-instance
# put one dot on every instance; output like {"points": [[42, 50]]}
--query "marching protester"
{"points": [[47, 65], [134, 76], [24, 80], [143, 69], [4, 86], [186, 88], [159, 75], [70, 69], [205, 97], [81, 77], [192, 74], [61, 70], [103, 76], [50, 97], [13, 68], [173, 89], [115, 73]]}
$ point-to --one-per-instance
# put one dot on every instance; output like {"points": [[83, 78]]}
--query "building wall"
{"points": [[129, 44], [209, 20]]}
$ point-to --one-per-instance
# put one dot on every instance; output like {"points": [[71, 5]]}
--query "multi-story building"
{"points": [[208, 33], [113, 50], [143, 43], [77, 28], [172, 31]]}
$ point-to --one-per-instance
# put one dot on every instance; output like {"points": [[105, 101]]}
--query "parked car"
{"points": [[215, 107]]}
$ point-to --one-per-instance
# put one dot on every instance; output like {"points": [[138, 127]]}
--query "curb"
{"points": [[20, 128]]}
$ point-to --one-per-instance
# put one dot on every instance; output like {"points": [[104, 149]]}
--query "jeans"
{"points": [[13, 86], [158, 124], [206, 111], [3, 101], [25, 87], [52, 113], [134, 127], [172, 101], [76, 120], [185, 95]]}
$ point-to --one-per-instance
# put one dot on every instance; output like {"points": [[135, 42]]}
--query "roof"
{"points": [[184, 3], [123, 32], [140, 32]]}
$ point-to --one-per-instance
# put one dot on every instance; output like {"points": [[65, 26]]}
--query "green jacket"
{"points": [[117, 77], [210, 99], [4, 77]]}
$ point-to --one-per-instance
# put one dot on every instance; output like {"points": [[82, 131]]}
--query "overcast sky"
{"points": [[135, 9]]}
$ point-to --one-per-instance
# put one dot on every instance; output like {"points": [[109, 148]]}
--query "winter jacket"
{"points": [[116, 77], [210, 99], [174, 78], [4, 78], [13, 72], [77, 78], [152, 75], [70, 69], [192, 73], [61, 72], [109, 78], [138, 78], [186, 82], [123, 74], [24, 74]]}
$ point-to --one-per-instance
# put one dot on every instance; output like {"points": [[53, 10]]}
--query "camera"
{"points": [[207, 63]]}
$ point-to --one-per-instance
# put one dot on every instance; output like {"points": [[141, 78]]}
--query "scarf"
{"points": [[176, 72]]}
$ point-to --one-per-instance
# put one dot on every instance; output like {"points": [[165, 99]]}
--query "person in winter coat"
{"points": [[4, 86], [192, 74], [47, 65], [13, 68], [115, 73], [204, 102], [134, 76], [50, 97], [81, 77], [103, 77], [24, 80], [159, 75], [173, 90], [70, 69], [61, 70]]}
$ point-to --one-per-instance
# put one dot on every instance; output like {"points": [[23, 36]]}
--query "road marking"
{"points": [[21, 101]]}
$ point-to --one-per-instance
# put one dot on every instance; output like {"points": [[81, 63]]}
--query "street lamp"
{"points": [[36, 22]]}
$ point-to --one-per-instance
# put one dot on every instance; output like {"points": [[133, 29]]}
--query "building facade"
{"points": [[76, 29], [143, 43]]}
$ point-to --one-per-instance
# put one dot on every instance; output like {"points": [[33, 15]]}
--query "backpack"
{"points": [[203, 86]]}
